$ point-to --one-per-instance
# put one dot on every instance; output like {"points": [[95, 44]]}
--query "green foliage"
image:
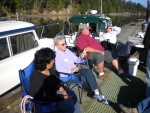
{"points": [[82, 6], [66, 3], [2, 13], [18, 5], [94, 4], [108, 7], [50, 5]]}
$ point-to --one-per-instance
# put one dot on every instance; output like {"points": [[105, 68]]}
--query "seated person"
{"points": [[142, 107], [44, 83], [109, 38], [95, 51], [65, 62], [110, 34]]}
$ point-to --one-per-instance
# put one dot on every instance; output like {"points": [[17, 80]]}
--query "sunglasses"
{"points": [[63, 44]]}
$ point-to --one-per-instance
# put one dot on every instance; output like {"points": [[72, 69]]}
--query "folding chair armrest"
{"points": [[72, 78], [69, 74], [83, 61], [23, 93]]}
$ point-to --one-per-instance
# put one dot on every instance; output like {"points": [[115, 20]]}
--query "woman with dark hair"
{"points": [[44, 83], [146, 43], [111, 34]]}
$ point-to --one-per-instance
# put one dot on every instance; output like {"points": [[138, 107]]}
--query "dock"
{"points": [[128, 91]]}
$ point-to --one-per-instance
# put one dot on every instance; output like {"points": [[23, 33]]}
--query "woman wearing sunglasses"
{"points": [[65, 62]]}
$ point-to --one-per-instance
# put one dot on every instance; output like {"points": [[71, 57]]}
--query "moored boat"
{"points": [[18, 43], [97, 23]]}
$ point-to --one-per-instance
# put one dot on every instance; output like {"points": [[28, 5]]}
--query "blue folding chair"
{"points": [[71, 81], [40, 106]]}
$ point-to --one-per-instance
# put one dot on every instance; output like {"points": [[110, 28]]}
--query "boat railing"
{"points": [[61, 32], [43, 27]]}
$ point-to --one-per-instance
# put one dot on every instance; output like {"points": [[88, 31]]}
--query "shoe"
{"points": [[101, 98], [106, 101], [127, 109], [122, 74], [98, 97], [103, 77]]}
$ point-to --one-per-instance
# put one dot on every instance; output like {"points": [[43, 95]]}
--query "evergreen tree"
{"points": [[85, 6], [109, 6]]}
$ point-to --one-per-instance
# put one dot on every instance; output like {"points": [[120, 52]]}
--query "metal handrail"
{"points": [[44, 27]]}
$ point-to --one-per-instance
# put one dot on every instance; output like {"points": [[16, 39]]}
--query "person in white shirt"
{"points": [[108, 40], [110, 34]]}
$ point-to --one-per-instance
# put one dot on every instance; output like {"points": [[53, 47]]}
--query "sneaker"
{"points": [[101, 98], [106, 101], [127, 109], [103, 77], [98, 97]]}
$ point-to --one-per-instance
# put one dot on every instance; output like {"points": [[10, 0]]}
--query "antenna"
{"points": [[101, 7], [17, 15]]}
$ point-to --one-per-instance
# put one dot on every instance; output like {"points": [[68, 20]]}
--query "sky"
{"points": [[142, 2]]}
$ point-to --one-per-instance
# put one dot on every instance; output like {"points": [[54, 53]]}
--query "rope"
{"points": [[22, 107]]}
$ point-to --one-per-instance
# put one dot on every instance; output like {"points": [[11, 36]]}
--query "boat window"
{"points": [[103, 27], [4, 52], [23, 42], [93, 27]]}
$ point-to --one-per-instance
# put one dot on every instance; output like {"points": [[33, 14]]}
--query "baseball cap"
{"points": [[84, 26]]}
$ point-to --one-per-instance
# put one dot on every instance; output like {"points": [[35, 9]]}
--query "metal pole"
{"points": [[17, 16], [101, 7]]}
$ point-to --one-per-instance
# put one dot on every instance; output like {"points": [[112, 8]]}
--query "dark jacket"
{"points": [[146, 40]]}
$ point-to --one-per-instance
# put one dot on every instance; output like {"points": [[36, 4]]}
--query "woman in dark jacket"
{"points": [[146, 43], [44, 83]]}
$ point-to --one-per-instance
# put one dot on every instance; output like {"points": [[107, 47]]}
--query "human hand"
{"points": [[83, 54], [75, 69], [68, 97]]}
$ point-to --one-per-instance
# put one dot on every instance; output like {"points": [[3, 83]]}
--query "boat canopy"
{"points": [[87, 19], [95, 19]]}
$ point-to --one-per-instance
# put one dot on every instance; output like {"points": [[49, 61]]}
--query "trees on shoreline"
{"points": [[79, 6]]}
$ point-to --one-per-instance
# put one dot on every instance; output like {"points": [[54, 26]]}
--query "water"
{"points": [[52, 30]]}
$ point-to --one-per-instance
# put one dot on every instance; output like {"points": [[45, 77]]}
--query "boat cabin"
{"points": [[18, 43], [97, 22]]}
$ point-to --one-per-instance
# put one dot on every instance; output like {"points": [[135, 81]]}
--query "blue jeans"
{"points": [[144, 106], [68, 106], [148, 74], [87, 76]]}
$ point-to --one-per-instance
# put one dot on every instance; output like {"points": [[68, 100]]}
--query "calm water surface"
{"points": [[52, 30]]}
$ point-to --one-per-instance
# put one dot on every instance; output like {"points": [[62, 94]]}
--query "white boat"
{"points": [[18, 43], [97, 23]]}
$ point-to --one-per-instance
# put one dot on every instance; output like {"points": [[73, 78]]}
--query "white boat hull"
{"points": [[10, 66]]}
